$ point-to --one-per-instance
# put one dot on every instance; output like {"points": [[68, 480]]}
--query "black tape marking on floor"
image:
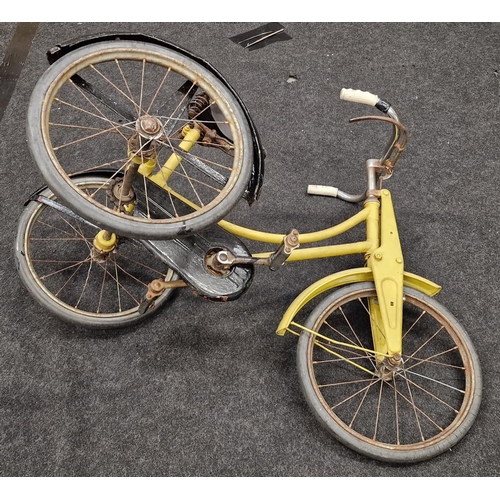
{"points": [[262, 36], [13, 61]]}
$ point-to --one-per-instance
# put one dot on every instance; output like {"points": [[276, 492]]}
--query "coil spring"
{"points": [[198, 105]]}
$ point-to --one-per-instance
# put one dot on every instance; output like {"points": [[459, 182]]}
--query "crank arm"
{"points": [[155, 289], [224, 259]]}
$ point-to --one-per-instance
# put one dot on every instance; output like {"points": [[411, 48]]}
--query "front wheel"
{"points": [[416, 412]]}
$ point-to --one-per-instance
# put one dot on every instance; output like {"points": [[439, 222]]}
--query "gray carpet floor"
{"points": [[208, 389]]}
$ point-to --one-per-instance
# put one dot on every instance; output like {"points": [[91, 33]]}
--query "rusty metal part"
{"points": [[116, 192], [291, 240], [389, 367], [105, 242], [290, 243], [149, 127], [198, 105], [377, 173], [118, 196], [157, 287], [210, 137], [198, 108], [395, 147], [374, 193], [220, 262], [125, 192], [141, 147], [395, 360], [99, 256]]}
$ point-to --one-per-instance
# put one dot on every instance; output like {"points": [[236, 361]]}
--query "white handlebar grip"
{"points": [[359, 96], [322, 190]]}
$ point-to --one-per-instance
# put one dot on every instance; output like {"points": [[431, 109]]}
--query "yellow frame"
{"points": [[384, 266], [381, 248]]}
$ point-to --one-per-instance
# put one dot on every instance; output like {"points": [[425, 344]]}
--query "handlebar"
{"points": [[391, 155], [398, 141]]}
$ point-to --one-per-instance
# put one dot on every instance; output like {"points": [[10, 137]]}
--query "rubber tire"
{"points": [[106, 219], [46, 299], [384, 455]]}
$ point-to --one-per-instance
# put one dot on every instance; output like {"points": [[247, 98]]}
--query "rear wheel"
{"points": [[414, 412], [175, 141], [60, 267]]}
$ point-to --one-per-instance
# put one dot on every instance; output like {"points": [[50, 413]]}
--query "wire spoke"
{"points": [[142, 265], [137, 109], [118, 89], [158, 90], [82, 139], [133, 277], [51, 226], [102, 286], [169, 145], [103, 165], [73, 264], [345, 383], [414, 323], [431, 380], [85, 284], [119, 283], [431, 361], [70, 278], [179, 109], [142, 83], [117, 287], [418, 409], [345, 400], [432, 337], [80, 127], [428, 359]]}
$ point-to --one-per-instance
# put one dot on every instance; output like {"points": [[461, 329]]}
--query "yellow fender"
{"points": [[347, 277]]}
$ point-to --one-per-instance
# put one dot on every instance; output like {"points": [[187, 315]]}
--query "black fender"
{"points": [[257, 176]]}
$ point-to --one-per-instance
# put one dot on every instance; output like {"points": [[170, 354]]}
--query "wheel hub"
{"points": [[149, 127], [390, 367]]}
